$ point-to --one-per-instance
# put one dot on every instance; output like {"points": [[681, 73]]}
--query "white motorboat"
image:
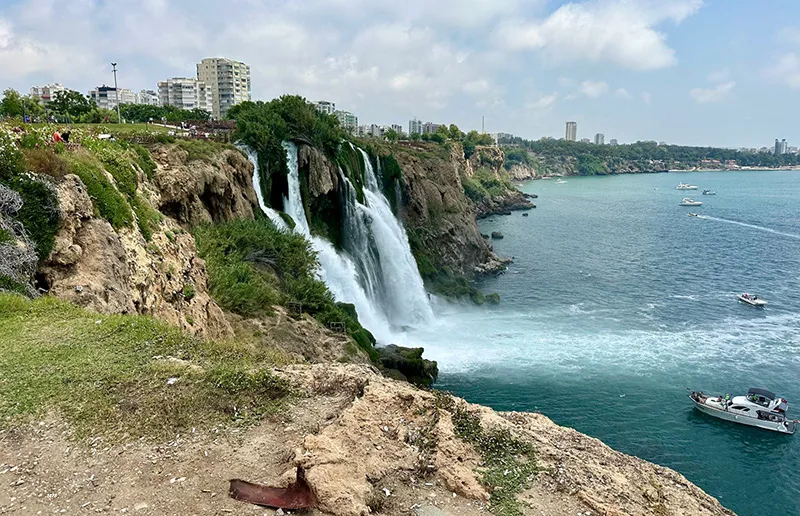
{"points": [[690, 202], [693, 214], [760, 408], [685, 186], [709, 192], [560, 181], [751, 300]]}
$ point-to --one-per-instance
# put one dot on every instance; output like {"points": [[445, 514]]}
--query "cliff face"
{"points": [[118, 271], [435, 209], [498, 196]]}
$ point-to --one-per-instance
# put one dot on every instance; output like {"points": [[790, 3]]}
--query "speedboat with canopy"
{"points": [[760, 408]]}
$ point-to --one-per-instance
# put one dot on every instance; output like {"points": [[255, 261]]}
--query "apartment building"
{"points": [[185, 93], [228, 82]]}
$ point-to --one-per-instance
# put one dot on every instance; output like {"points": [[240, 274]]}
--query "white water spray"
{"points": [[269, 212]]}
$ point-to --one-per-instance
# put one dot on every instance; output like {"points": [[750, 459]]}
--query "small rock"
{"points": [[497, 235], [387, 492], [279, 512], [172, 381], [140, 506]]}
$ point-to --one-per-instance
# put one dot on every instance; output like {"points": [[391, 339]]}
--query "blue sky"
{"points": [[701, 72]]}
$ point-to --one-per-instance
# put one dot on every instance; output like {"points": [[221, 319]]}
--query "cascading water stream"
{"points": [[269, 212], [377, 273], [402, 291]]}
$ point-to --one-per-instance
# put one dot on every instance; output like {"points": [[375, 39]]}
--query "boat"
{"points": [[709, 192], [560, 181], [751, 300], [685, 186], [693, 214], [759, 408], [690, 202]]}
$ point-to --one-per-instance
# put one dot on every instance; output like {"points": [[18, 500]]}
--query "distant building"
{"points": [[792, 150], [44, 94], [572, 131], [501, 138], [662, 143], [781, 147], [228, 82], [323, 106], [397, 128], [147, 98], [347, 120], [414, 126], [613, 141], [430, 128], [585, 140], [107, 97], [185, 93], [375, 131], [599, 139]]}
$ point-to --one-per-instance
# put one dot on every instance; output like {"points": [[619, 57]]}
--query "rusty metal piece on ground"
{"points": [[297, 495]]}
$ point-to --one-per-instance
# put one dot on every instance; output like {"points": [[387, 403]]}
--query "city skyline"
{"points": [[692, 72]]}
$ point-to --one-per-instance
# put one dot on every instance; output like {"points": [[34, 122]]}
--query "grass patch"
{"points": [[9, 284], [45, 161], [102, 377], [146, 162], [508, 464], [108, 201], [200, 150], [6, 237]]}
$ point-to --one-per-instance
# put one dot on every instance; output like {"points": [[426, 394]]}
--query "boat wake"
{"points": [[753, 226]]}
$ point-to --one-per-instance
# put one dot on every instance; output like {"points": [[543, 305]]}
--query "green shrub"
{"points": [[147, 217], [189, 292], [45, 161], [110, 204], [146, 162], [8, 284], [6, 237]]}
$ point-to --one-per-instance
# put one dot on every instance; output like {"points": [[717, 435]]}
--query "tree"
{"points": [[31, 106], [443, 131], [415, 137], [455, 133], [71, 103], [392, 135], [11, 105]]}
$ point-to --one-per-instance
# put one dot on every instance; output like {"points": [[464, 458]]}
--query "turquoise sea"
{"points": [[617, 302]]}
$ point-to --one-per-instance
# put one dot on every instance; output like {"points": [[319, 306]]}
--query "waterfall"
{"points": [[269, 212], [377, 272], [402, 291]]}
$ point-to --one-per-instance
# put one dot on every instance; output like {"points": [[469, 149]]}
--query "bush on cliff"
{"points": [[252, 266], [39, 213]]}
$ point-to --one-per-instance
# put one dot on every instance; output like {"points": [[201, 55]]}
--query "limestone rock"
{"points": [[118, 272], [322, 174], [214, 189]]}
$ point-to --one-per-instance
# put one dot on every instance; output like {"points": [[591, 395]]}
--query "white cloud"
{"points": [[786, 70], [477, 87], [542, 103], [720, 75], [790, 35], [594, 89], [646, 97], [622, 93], [716, 94], [618, 32], [566, 82]]}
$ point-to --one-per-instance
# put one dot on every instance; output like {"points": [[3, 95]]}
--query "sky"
{"points": [[696, 72]]}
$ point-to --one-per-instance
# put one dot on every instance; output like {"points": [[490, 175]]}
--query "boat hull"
{"points": [[787, 427], [759, 303]]}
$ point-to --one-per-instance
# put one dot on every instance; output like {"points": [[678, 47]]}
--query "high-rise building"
{"points": [[586, 140], [147, 98], [572, 131], [347, 120], [106, 97], [430, 128], [414, 126], [184, 93], [228, 81], [397, 128], [323, 106], [44, 94], [599, 139], [613, 141], [781, 147]]}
